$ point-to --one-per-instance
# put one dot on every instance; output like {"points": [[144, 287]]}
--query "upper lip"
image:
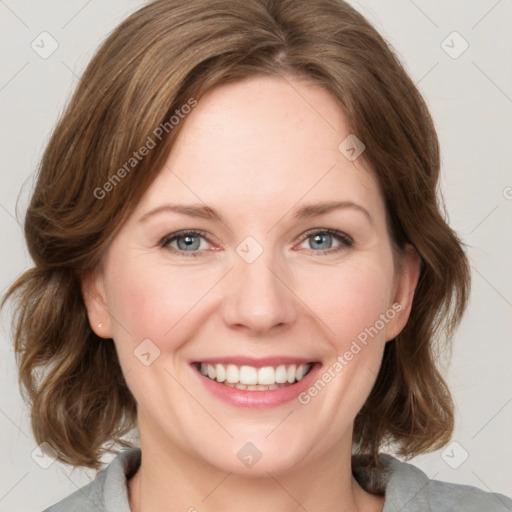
{"points": [[255, 362]]}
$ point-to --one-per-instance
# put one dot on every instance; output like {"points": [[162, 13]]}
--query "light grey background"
{"points": [[470, 96]]}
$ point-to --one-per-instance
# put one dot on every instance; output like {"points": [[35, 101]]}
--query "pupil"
{"points": [[188, 242], [321, 239]]}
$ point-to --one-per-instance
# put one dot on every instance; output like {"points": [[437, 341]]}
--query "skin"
{"points": [[255, 162]]}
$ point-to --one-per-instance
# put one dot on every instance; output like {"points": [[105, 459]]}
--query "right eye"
{"points": [[185, 242]]}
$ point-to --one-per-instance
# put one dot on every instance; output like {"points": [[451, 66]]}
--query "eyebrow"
{"points": [[304, 212]]}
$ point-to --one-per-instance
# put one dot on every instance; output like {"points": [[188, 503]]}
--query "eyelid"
{"points": [[183, 232], [334, 232]]}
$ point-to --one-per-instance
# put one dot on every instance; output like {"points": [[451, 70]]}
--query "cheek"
{"points": [[352, 299], [351, 308], [154, 303], [149, 302]]}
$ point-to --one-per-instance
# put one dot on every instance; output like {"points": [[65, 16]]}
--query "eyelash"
{"points": [[345, 240]]}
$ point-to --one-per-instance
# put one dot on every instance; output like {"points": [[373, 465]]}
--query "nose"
{"points": [[258, 298]]}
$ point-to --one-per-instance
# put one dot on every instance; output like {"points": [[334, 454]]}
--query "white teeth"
{"points": [[281, 374], [266, 375], [221, 373], [255, 379], [291, 373], [248, 375], [298, 374], [232, 374]]}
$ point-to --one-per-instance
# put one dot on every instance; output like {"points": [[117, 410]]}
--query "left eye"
{"points": [[323, 240]]}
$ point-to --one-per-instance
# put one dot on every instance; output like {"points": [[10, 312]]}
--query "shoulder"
{"points": [[408, 488], [108, 491]]}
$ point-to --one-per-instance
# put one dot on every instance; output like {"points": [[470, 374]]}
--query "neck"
{"points": [[171, 479]]}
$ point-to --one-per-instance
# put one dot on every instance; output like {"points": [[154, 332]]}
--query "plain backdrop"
{"points": [[459, 55]]}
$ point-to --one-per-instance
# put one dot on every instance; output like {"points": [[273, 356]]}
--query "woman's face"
{"points": [[259, 252]]}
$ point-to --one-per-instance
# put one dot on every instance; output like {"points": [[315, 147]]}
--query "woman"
{"points": [[239, 250]]}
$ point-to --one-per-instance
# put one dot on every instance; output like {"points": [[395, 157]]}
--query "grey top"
{"points": [[406, 489]]}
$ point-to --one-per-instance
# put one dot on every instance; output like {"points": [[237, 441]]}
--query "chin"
{"points": [[256, 455]]}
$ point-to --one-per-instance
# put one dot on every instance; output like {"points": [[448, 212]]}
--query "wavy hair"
{"points": [[151, 65]]}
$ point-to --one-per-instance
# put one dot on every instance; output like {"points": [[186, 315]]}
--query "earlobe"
{"points": [[93, 292], [407, 281]]}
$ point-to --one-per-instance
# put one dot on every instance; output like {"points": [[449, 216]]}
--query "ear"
{"points": [[93, 292], [407, 277]]}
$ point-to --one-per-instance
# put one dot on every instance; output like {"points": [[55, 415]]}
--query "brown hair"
{"points": [[156, 61]]}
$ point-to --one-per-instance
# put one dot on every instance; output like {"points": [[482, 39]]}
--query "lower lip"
{"points": [[259, 399]]}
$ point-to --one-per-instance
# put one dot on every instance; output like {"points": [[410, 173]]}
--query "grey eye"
{"points": [[191, 242], [321, 241], [185, 241]]}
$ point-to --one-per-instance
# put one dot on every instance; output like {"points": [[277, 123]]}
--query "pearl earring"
{"points": [[100, 326]]}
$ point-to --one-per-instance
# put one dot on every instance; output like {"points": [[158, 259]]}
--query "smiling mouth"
{"points": [[250, 378]]}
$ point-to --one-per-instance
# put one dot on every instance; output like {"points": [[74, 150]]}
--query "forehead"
{"points": [[266, 142]]}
